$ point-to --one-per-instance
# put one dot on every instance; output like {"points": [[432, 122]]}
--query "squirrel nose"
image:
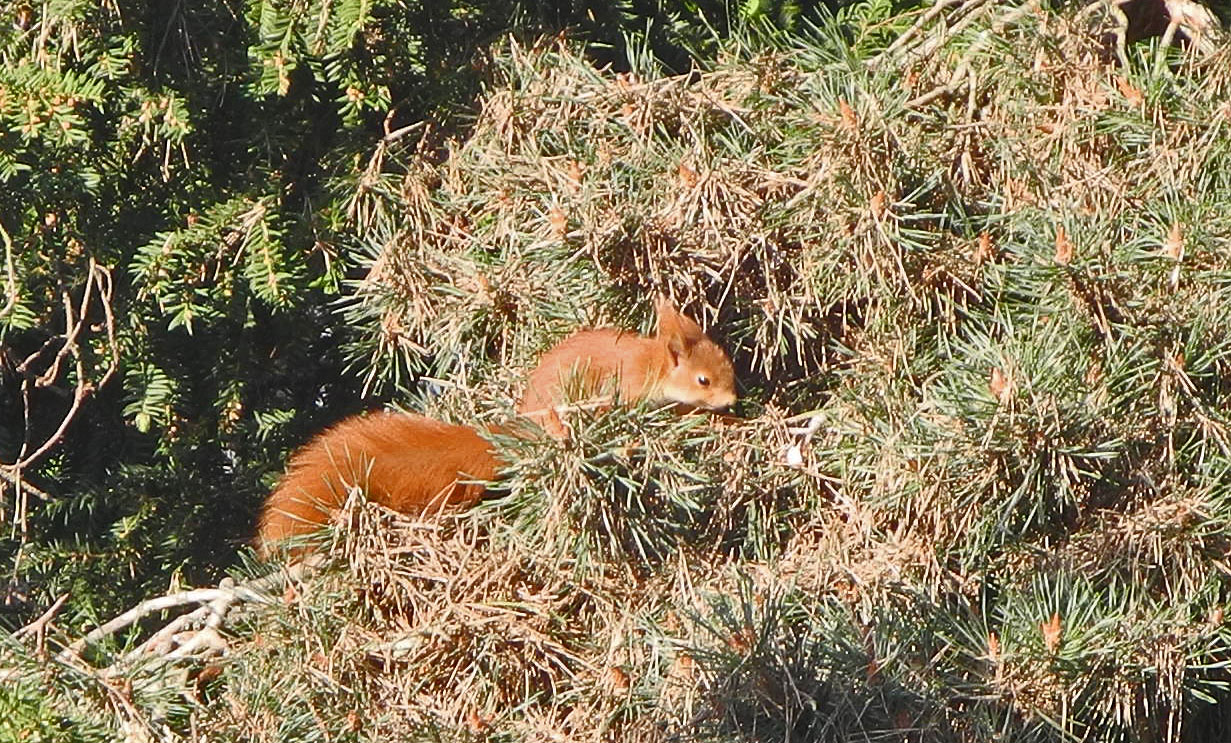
{"points": [[723, 404]]}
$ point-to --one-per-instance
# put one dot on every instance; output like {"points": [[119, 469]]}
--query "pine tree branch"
{"points": [[10, 275], [12, 475], [218, 602], [98, 279]]}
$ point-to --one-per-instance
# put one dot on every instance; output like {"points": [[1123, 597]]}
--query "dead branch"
{"points": [[911, 32], [73, 321], [219, 601], [12, 475], [961, 74], [210, 617], [98, 279], [10, 301], [955, 23], [39, 626], [195, 634], [139, 612]]}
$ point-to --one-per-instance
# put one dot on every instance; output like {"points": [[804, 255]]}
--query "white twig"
{"points": [[910, 33], [224, 596], [11, 274], [39, 626], [12, 475]]}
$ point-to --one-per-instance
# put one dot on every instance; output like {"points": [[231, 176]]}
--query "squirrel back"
{"points": [[678, 365], [405, 462]]}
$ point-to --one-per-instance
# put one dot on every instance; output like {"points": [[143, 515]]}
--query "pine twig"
{"points": [[10, 274], [39, 626], [219, 601]]}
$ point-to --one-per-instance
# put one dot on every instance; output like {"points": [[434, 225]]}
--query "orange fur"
{"points": [[680, 364], [405, 462]]}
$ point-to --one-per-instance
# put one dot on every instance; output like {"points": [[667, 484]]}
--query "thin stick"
{"points": [[12, 475], [83, 388], [11, 302], [38, 626], [910, 33], [162, 603]]}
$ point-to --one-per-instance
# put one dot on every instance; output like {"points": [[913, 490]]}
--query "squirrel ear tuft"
{"points": [[678, 331]]}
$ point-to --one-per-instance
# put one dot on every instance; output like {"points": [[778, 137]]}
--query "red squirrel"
{"points": [[678, 365], [412, 464]]}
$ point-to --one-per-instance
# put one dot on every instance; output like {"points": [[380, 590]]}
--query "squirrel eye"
{"points": [[703, 380]]}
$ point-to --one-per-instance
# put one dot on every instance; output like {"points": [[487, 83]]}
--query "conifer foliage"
{"points": [[186, 186], [971, 261]]}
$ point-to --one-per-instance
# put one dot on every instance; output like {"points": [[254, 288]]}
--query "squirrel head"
{"points": [[698, 372]]}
